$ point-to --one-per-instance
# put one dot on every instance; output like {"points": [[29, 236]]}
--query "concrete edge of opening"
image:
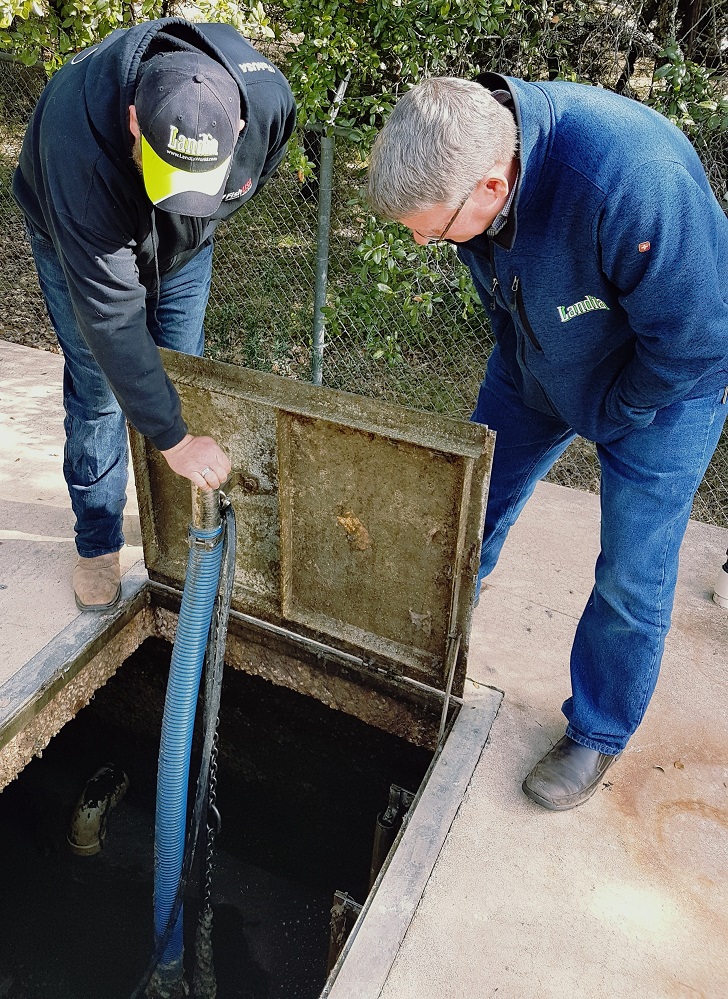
{"points": [[60, 679], [367, 958], [56, 683]]}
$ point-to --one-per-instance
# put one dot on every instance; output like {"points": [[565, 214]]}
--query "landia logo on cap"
{"points": [[204, 146]]}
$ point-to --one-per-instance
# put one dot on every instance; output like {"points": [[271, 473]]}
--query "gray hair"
{"points": [[442, 137]]}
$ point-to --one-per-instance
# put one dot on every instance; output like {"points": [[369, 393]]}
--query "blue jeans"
{"points": [[95, 460], [648, 482]]}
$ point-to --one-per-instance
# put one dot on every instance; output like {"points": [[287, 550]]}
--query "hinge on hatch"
{"points": [[376, 667]]}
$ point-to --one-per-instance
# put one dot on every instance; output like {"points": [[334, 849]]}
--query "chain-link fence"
{"points": [[426, 349]]}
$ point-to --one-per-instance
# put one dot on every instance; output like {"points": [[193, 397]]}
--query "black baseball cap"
{"points": [[188, 109]]}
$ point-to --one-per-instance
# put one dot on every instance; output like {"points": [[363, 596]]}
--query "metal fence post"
{"points": [[326, 180], [326, 184]]}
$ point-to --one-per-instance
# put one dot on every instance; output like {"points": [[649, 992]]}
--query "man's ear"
{"points": [[496, 183], [492, 187], [134, 123]]}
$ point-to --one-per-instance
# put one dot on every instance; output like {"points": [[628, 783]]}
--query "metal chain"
{"points": [[213, 825]]}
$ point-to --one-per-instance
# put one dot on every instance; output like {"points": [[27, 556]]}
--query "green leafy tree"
{"points": [[668, 53], [48, 31]]}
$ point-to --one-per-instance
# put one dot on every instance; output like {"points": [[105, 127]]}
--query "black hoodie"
{"points": [[77, 184]]}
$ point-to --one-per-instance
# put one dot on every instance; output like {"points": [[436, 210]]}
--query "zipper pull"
{"points": [[493, 287], [514, 286]]}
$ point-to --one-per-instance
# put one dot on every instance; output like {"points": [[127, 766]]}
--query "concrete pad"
{"points": [[626, 896], [37, 550]]}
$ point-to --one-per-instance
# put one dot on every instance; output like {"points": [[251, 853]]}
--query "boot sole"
{"points": [[99, 608], [552, 806]]}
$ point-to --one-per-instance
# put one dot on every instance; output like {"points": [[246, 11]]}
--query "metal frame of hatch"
{"points": [[359, 521]]}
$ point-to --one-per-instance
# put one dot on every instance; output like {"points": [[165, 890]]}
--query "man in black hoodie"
{"points": [[137, 149]]}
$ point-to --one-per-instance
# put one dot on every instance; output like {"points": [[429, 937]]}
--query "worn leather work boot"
{"points": [[97, 582], [567, 776]]}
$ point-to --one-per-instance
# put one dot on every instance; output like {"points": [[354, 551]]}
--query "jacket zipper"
{"points": [[520, 308], [494, 284]]}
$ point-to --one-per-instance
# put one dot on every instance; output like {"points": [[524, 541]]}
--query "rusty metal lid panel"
{"points": [[358, 521]]}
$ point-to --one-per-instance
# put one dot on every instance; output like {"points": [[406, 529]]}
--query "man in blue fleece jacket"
{"points": [[601, 257], [138, 148]]}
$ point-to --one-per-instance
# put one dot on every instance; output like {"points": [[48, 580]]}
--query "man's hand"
{"points": [[199, 459]]}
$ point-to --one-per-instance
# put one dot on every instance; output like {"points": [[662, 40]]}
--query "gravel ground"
{"points": [[23, 318]]}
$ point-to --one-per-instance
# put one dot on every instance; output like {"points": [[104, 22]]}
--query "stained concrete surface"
{"points": [[626, 896], [37, 551]]}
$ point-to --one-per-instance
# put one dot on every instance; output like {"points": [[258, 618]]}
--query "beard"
{"points": [[136, 154]]}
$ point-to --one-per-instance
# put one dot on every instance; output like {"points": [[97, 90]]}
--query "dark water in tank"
{"points": [[299, 789]]}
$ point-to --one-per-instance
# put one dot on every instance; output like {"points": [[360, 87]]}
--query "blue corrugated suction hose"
{"points": [[198, 599]]}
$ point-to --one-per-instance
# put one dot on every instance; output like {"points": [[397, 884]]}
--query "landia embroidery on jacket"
{"points": [[588, 304]]}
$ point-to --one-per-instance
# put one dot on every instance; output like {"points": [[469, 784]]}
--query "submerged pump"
{"points": [[200, 638]]}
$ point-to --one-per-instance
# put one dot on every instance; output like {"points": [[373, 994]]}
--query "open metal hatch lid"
{"points": [[359, 522]]}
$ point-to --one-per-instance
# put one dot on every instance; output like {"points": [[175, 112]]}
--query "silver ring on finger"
{"points": [[205, 471]]}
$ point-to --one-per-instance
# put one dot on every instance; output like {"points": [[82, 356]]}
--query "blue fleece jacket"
{"points": [[608, 287], [78, 185]]}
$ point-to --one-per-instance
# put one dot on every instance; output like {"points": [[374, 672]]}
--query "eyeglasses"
{"points": [[443, 234]]}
